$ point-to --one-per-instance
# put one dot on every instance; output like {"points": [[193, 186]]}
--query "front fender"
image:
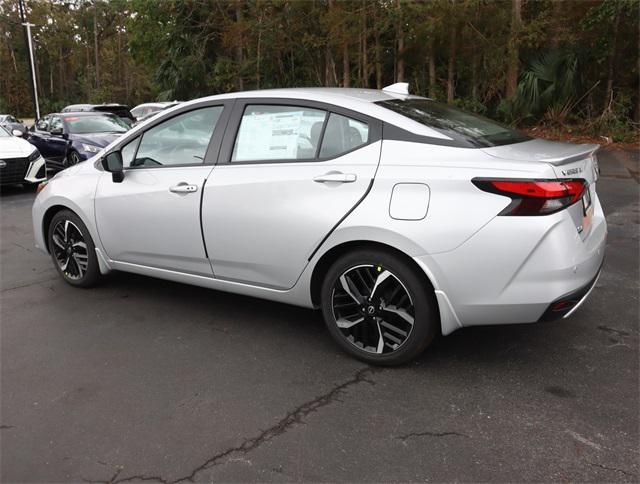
{"points": [[73, 189]]}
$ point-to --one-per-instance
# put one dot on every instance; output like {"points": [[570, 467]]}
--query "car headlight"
{"points": [[34, 156], [91, 148]]}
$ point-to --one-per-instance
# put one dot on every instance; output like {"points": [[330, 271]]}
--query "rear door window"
{"points": [[269, 132]]}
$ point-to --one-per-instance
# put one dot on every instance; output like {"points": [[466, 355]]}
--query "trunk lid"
{"points": [[567, 160]]}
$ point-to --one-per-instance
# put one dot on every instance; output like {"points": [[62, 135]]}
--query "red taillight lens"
{"points": [[534, 197]]}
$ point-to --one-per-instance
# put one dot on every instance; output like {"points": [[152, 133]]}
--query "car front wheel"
{"points": [[378, 308], [73, 158], [72, 250]]}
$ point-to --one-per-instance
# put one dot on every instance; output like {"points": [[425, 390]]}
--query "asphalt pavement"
{"points": [[147, 379]]}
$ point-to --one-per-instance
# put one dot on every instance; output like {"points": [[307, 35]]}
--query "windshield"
{"points": [[95, 124], [4, 133], [455, 123]]}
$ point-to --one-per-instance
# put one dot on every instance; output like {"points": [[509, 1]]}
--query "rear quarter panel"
{"points": [[456, 208]]}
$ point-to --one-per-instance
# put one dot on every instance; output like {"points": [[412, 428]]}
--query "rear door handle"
{"points": [[335, 178], [183, 188]]}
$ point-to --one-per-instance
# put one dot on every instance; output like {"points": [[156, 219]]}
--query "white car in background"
{"points": [[145, 111], [20, 161], [398, 216]]}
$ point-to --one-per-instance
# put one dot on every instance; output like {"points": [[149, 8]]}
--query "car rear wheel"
{"points": [[72, 250], [378, 308]]}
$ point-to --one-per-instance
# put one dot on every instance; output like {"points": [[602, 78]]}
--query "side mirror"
{"points": [[113, 164], [56, 132], [16, 132]]}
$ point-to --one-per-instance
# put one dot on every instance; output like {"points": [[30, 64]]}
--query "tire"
{"points": [[73, 158], [72, 250], [390, 327]]}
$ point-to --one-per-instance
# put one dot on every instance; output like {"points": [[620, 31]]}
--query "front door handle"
{"points": [[183, 188], [335, 177]]}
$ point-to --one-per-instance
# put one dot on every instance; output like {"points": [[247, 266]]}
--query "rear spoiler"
{"points": [[581, 152]]}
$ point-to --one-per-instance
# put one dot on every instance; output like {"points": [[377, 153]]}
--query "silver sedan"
{"points": [[399, 217]]}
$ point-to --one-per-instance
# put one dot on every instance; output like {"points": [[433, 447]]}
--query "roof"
{"points": [[360, 100]]}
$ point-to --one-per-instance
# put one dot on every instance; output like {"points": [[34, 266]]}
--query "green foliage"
{"points": [[549, 85], [134, 51]]}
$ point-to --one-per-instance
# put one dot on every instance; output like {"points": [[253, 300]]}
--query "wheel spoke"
{"points": [[58, 242], [81, 264], [344, 323], [65, 264], [350, 289], [82, 245], [393, 328], [379, 280], [66, 230], [400, 312], [380, 338]]}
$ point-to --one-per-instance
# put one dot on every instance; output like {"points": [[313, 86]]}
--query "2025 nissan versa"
{"points": [[398, 216]]}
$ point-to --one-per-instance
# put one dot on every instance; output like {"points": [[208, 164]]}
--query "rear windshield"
{"points": [[455, 123], [95, 124]]}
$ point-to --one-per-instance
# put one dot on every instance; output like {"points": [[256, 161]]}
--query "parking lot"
{"points": [[143, 379]]}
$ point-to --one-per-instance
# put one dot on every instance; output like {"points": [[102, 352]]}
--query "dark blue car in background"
{"points": [[65, 139]]}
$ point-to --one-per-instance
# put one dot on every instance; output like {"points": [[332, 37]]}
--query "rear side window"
{"points": [[468, 128], [278, 133], [181, 140], [342, 135]]}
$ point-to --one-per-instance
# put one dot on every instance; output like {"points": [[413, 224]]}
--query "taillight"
{"points": [[534, 197]]}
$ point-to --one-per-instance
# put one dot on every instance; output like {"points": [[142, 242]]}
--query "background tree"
{"points": [[526, 61]]}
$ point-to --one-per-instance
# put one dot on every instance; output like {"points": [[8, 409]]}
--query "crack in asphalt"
{"points": [[113, 478], [292, 418], [630, 474], [406, 437]]}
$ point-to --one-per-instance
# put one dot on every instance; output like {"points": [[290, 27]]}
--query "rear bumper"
{"points": [[565, 306], [514, 268]]}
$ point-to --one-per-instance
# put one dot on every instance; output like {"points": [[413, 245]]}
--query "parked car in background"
{"points": [[142, 112], [12, 123], [400, 217], [119, 110], [65, 139], [20, 161]]}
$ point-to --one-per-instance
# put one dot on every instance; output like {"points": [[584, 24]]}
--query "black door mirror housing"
{"points": [[113, 164], [57, 132]]}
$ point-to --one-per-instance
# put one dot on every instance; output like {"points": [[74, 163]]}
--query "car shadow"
{"points": [[485, 346]]}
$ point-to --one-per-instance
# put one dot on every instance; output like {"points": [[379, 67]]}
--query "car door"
{"points": [[152, 218], [39, 136], [288, 172], [56, 140]]}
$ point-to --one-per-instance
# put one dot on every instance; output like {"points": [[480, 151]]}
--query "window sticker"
{"points": [[284, 135]]}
